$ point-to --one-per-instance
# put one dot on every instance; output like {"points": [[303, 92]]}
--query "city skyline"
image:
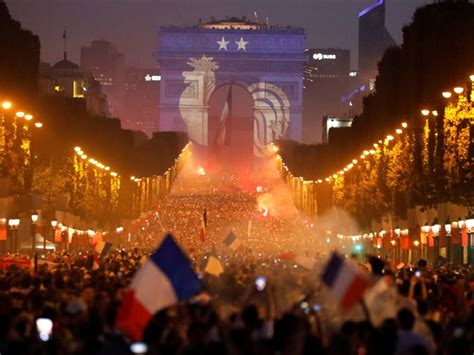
{"points": [[133, 26]]}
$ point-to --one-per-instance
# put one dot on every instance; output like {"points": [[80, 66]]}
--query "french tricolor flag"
{"points": [[163, 280], [347, 284]]}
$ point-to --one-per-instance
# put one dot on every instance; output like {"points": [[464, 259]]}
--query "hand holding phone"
{"points": [[44, 326], [260, 283]]}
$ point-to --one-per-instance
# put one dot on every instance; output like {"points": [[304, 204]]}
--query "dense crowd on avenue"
{"points": [[262, 303]]}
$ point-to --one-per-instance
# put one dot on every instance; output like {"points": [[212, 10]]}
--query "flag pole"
{"points": [[366, 311], [65, 43]]}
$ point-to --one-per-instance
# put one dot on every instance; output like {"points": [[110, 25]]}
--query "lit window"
{"points": [[78, 89]]}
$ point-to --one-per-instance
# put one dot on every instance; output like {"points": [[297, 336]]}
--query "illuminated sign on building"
{"points": [[149, 77], [321, 56]]}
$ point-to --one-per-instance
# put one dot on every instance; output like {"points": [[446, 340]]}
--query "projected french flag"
{"points": [[165, 279], [346, 283]]}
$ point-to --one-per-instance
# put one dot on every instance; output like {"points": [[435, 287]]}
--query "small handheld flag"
{"points": [[92, 262], [163, 280], [231, 241], [202, 231], [103, 248]]}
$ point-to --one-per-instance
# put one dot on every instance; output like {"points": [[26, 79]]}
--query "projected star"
{"points": [[241, 44], [222, 44]]}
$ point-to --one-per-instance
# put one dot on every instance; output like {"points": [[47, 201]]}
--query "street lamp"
{"points": [[416, 243], [54, 224], [118, 231], [446, 94], [6, 105], [13, 225], [458, 90], [34, 221]]}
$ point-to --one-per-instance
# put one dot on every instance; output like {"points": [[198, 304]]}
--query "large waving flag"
{"points": [[346, 283], [165, 279]]}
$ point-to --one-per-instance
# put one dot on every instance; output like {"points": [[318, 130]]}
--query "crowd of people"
{"points": [[263, 303]]}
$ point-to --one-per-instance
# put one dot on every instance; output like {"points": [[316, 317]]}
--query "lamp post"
{"points": [[436, 228], [416, 243], [470, 238], [447, 228], [119, 231], [396, 246], [425, 240], [13, 225], [54, 224], [34, 222]]}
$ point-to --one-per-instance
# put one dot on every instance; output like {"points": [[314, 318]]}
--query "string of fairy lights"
{"points": [[80, 152], [366, 153], [467, 223], [88, 159]]}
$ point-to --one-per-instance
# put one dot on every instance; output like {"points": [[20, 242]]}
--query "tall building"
{"points": [[107, 66], [330, 122], [64, 78], [141, 100], [327, 78], [374, 39]]}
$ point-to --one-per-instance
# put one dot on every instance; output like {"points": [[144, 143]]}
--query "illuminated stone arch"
{"points": [[193, 64]]}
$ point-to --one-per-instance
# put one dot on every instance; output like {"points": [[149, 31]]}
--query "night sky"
{"points": [[132, 25]]}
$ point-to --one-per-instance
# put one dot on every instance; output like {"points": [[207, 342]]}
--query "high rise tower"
{"points": [[374, 39]]}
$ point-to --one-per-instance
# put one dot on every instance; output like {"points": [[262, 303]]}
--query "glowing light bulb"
{"points": [[6, 105]]}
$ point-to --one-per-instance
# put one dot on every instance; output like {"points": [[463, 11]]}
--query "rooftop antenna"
{"points": [[256, 17], [65, 43]]}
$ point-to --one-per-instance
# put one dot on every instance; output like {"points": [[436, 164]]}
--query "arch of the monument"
{"points": [[268, 63]]}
